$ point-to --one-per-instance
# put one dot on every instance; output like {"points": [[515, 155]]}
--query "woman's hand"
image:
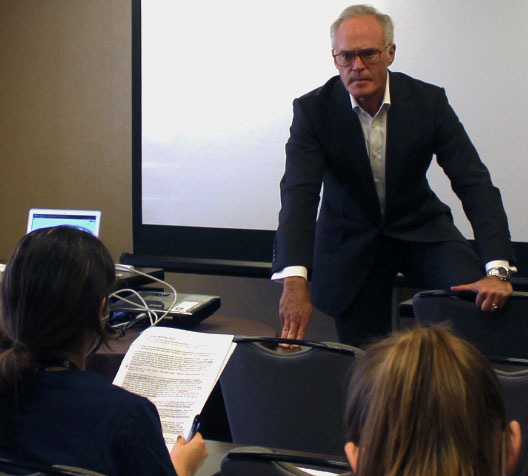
{"points": [[187, 458]]}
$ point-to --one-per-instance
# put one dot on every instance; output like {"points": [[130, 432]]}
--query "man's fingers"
{"points": [[461, 288], [289, 333], [301, 332], [492, 294], [295, 309], [480, 301]]}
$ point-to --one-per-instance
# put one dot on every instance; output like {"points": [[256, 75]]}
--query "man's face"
{"points": [[366, 82]]}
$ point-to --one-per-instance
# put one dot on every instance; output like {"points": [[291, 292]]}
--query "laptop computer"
{"points": [[88, 220]]}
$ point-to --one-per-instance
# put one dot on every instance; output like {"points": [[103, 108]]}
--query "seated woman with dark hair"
{"points": [[426, 403], [54, 298]]}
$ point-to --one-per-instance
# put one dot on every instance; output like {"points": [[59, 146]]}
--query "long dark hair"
{"points": [[51, 292]]}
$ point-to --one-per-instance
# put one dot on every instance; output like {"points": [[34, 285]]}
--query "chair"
{"points": [[515, 389], [288, 398], [34, 469], [500, 334], [258, 461]]}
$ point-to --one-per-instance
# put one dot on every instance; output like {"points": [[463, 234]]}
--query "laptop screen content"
{"points": [[88, 220]]}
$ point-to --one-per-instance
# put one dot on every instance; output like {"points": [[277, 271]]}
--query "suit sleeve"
{"points": [[300, 193], [471, 181]]}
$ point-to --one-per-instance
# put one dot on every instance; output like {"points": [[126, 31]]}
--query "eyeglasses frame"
{"points": [[359, 53]]}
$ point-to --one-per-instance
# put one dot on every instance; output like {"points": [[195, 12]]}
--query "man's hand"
{"points": [[295, 309], [492, 293]]}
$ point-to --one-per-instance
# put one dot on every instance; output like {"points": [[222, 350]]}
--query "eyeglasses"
{"points": [[368, 57]]}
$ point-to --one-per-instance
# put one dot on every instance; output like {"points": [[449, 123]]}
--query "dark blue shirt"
{"points": [[80, 419]]}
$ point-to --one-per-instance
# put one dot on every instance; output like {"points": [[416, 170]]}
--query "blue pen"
{"points": [[194, 427]]}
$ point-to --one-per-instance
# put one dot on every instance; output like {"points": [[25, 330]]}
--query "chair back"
{"points": [[499, 334], [288, 398], [258, 461], [515, 389], [37, 469]]}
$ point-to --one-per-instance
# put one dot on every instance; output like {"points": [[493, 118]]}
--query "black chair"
{"points": [[35, 469], [288, 398], [257, 461], [515, 389], [502, 334]]}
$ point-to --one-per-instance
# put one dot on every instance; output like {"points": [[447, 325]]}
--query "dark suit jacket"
{"points": [[327, 146]]}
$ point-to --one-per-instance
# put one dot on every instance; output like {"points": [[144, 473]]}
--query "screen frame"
{"points": [[223, 251]]}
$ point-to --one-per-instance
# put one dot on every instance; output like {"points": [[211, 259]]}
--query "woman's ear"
{"points": [[352, 452], [515, 444]]}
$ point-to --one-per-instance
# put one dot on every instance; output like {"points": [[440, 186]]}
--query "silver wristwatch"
{"points": [[504, 274]]}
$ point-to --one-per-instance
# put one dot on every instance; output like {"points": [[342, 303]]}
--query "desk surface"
{"points": [[129, 279], [217, 450]]}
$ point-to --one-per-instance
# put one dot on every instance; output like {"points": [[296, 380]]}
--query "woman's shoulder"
{"points": [[91, 388]]}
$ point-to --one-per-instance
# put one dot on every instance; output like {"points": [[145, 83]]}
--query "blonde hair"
{"points": [[425, 402]]}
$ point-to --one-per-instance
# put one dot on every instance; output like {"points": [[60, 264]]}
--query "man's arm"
{"points": [[300, 194], [482, 203], [294, 241]]}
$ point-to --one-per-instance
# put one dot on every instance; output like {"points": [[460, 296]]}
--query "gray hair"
{"points": [[361, 10]]}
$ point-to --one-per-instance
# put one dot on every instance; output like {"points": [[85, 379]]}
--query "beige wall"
{"points": [[65, 113], [65, 134]]}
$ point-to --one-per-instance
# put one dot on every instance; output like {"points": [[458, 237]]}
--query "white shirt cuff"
{"points": [[289, 271]]}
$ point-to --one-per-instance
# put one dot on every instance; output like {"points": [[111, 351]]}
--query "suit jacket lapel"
{"points": [[399, 131], [349, 133]]}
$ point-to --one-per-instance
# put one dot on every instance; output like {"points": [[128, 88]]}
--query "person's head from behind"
{"points": [[53, 295], [426, 402]]}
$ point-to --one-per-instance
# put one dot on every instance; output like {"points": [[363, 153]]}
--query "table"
{"points": [[130, 279], [217, 451]]}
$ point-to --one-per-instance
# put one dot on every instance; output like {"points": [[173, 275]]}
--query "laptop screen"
{"points": [[88, 220]]}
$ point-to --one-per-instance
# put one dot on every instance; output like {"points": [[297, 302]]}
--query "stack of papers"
{"points": [[176, 370]]}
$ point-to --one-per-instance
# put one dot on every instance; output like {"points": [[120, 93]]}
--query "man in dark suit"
{"points": [[369, 135]]}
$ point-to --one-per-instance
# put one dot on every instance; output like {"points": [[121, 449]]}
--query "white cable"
{"points": [[152, 313], [142, 305], [127, 323]]}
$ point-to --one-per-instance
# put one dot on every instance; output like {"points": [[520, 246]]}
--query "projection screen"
{"points": [[213, 85]]}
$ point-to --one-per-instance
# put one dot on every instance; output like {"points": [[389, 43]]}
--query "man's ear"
{"points": [[392, 53], [515, 444], [352, 453]]}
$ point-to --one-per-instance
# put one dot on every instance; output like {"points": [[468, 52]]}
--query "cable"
{"points": [[143, 306]]}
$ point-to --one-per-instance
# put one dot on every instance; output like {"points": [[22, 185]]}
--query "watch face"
{"points": [[500, 272]]}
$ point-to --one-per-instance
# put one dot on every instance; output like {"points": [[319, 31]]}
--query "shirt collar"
{"points": [[386, 98]]}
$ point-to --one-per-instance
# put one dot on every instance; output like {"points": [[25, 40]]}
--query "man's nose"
{"points": [[357, 62]]}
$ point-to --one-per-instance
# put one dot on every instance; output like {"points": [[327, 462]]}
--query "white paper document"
{"points": [[176, 370]]}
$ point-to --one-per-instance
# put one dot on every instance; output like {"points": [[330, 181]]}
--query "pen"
{"points": [[194, 427]]}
